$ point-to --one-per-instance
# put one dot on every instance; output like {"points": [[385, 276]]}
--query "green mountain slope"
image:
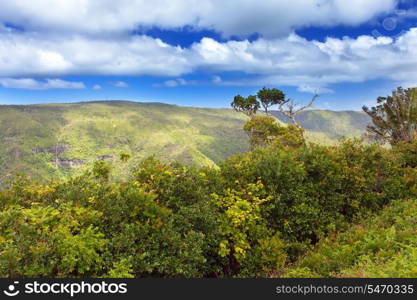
{"points": [[329, 126], [52, 139], [56, 140]]}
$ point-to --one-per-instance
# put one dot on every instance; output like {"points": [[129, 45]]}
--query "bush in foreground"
{"points": [[255, 216]]}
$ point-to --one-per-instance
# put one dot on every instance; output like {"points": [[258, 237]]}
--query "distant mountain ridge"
{"points": [[335, 124], [57, 140]]}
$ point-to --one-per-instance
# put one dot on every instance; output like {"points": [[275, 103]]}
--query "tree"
{"points": [[247, 105], [394, 119], [264, 131], [290, 109], [270, 97]]}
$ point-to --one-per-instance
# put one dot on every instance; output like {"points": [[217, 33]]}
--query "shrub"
{"points": [[49, 242], [380, 246], [255, 215]]}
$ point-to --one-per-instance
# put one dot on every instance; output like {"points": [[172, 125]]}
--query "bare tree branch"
{"points": [[290, 109]]}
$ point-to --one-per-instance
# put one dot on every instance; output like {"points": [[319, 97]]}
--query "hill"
{"points": [[61, 139], [328, 126], [54, 138]]}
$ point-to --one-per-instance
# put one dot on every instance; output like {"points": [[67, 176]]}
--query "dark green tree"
{"points": [[247, 105], [394, 118], [270, 97]]}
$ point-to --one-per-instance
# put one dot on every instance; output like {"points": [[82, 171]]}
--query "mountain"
{"points": [[327, 126], [52, 139], [56, 140]]}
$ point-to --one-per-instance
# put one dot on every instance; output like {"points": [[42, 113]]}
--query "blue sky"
{"points": [[202, 53]]}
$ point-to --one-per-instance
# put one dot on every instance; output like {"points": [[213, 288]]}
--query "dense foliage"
{"points": [[394, 119], [247, 105], [380, 246], [255, 215], [266, 130]]}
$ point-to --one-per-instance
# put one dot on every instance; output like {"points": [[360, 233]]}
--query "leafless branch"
{"points": [[290, 108]]}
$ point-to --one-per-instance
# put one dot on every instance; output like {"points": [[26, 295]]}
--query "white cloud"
{"points": [[182, 82], [97, 87], [290, 60], [92, 37], [305, 88], [278, 18], [176, 82], [216, 79], [120, 84], [232, 17], [298, 62], [170, 83], [32, 54], [32, 84]]}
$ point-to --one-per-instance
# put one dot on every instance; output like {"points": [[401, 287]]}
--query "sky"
{"points": [[204, 52]]}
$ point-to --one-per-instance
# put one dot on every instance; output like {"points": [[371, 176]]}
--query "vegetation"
{"points": [[262, 130], [57, 141], [270, 97], [286, 208], [62, 140], [266, 130], [380, 246], [326, 127], [254, 216], [247, 105], [395, 117]]}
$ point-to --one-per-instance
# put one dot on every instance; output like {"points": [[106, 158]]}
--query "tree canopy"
{"points": [[270, 97], [247, 105], [394, 118]]}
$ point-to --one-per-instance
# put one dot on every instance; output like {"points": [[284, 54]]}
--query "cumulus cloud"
{"points": [[33, 54], [270, 18], [298, 62], [97, 87], [290, 60], [32, 84]]}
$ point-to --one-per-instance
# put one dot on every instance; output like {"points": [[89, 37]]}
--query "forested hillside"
{"points": [[58, 140]]}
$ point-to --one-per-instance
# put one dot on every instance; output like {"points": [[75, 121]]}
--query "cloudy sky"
{"points": [[203, 52]]}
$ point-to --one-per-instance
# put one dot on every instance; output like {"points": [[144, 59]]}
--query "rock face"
{"points": [[68, 163], [61, 162], [105, 157], [56, 149], [75, 162]]}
